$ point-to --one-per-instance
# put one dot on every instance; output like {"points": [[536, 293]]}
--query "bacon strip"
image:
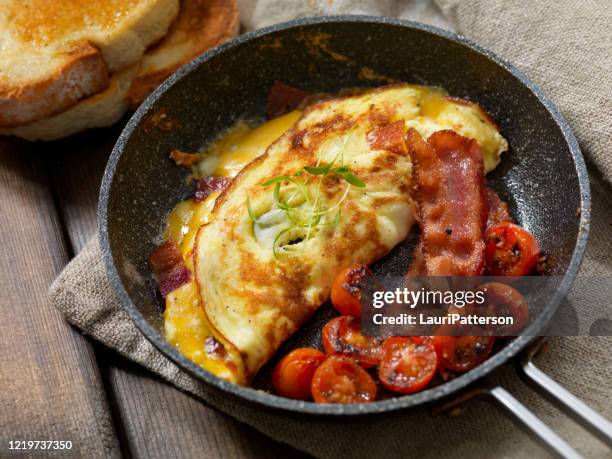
{"points": [[450, 196], [168, 267], [205, 187], [283, 99], [391, 137], [417, 267], [184, 159], [498, 209], [214, 349]]}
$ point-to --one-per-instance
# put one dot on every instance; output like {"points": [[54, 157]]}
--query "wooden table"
{"points": [[55, 383]]}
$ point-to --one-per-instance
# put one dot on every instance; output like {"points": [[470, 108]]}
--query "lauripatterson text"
{"points": [[450, 319]]}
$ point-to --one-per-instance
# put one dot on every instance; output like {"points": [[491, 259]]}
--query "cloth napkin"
{"points": [[563, 46]]}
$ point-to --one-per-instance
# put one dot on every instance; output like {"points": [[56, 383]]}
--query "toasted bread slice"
{"points": [[79, 71], [200, 25], [53, 55], [99, 110]]}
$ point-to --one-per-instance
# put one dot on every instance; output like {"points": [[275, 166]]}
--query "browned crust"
{"points": [[83, 73], [208, 23]]}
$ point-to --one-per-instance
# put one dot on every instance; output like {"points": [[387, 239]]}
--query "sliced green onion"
{"points": [[318, 170], [250, 211], [313, 216], [337, 218], [351, 178], [279, 179], [276, 240]]}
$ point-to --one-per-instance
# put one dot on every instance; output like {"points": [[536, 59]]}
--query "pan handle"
{"points": [[525, 418], [554, 392], [562, 398]]}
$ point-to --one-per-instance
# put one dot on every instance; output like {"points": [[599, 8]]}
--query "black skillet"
{"points": [[543, 176]]}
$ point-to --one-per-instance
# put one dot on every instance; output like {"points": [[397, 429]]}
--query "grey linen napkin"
{"points": [[566, 50]]}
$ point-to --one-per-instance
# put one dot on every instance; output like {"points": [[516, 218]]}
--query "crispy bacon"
{"points": [[391, 137], [206, 186], [283, 99], [498, 209], [184, 159], [214, 349], [450, 196], [168, 267], [417, 267]]}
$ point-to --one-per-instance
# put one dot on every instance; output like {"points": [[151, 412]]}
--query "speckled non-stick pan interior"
{"points": [[542, 176]]}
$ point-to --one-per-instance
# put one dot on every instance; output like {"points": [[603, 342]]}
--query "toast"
{"points": [[52, 56], [99, 110], [200, 25]]}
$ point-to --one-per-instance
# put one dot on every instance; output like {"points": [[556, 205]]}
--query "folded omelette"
{"points": [[326, 195]]}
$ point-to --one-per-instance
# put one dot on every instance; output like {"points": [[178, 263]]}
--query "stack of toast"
{"points": [[77, 64]]}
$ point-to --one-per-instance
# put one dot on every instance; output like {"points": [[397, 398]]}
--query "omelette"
{"points": [[311, 195]]}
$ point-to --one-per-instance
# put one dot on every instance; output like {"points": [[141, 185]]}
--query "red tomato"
{"points": [[341, 380], [462, 353], [503, 300], [511, 250], [406, 366], [342, 336], [419, 339], [292, 376], [346, 290]]}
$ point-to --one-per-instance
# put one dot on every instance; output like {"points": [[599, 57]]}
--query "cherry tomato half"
{"points": [[407, 367], [462, 353], [342, 336], [419, 339], [346, 290], [292, 376], [511, 250], [341, 380], [503, 300]]}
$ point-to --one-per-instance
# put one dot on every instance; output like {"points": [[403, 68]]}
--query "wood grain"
{"points": [[155, 419], [51, 386]]}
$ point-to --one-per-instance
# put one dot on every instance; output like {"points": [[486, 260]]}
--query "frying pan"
{"points": [[543, 176]]}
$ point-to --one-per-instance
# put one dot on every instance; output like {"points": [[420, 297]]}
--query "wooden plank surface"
{"points": [[155, 419], [51, 386]]}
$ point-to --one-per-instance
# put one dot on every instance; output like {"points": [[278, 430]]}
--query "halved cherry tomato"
{"points": [[462, 353], [342, 336], [292, 376], [511, 250], [407, 367], [341, 380], [346, 290], [503, 300], [419, 339]]}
